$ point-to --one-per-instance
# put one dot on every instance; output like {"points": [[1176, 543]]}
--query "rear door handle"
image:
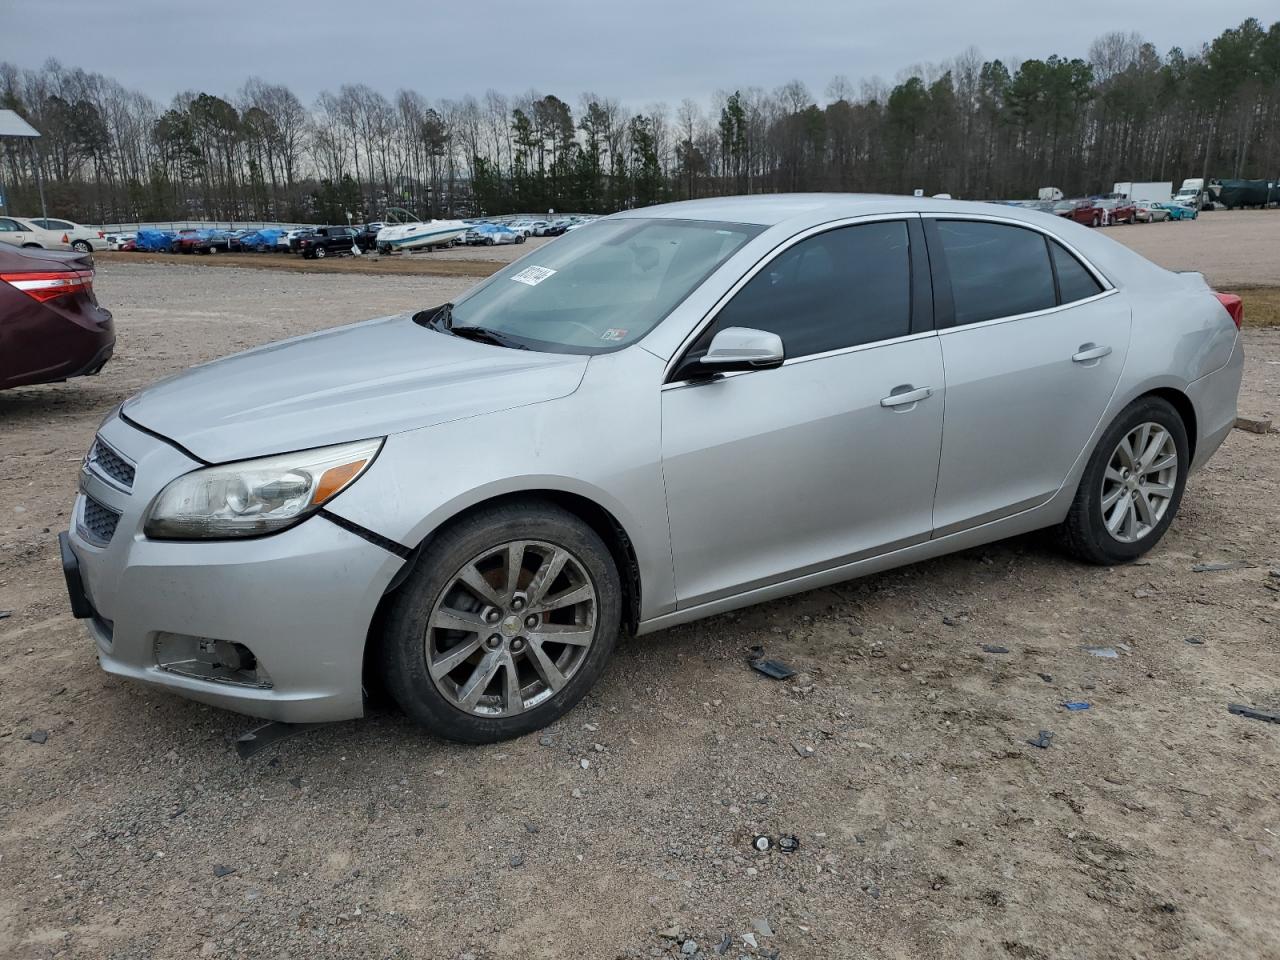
{"points": [[907, 395], [1089, 351]]}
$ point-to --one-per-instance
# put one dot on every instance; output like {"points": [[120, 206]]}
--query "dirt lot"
{"points": [[928, 826]]}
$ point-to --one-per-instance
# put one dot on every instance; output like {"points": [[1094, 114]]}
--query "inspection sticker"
{"points": [[614, 333], [532, 276]]}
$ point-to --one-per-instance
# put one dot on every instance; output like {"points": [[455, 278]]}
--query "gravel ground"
{"points": [[1232, 248], [928, 826]]}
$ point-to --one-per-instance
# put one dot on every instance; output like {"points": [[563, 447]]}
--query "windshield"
{"points": [[602, 286]]}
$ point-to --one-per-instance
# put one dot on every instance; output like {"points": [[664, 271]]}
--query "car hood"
{"points": [[364, 380]]}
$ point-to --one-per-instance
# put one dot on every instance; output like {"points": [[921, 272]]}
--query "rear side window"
{"points": [[842, 288], [1074, 281], [995, 270]]}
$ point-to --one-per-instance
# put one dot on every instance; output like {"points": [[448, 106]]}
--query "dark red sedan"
{"points": [[51, 327]]}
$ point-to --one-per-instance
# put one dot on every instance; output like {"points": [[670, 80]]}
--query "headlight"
{"points": [[253, 497]]}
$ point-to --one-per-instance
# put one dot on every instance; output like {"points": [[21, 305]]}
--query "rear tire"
{"points": [[82, 246], [464, 576], [321, 253], [1122, 493]]}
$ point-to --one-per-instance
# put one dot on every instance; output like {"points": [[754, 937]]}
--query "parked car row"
{"points": [[1105, 211]]}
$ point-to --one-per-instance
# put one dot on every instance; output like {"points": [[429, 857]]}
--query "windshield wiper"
{"points": [[485, 335]]}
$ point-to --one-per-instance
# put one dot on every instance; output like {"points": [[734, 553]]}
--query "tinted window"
{"points": [[996, 270], [837, 289], [9, 226], [1074, 281]]}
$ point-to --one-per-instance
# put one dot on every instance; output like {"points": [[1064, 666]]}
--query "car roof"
{"points": [[772, 209], [794, 212]]}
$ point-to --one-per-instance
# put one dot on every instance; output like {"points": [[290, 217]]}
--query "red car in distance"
{"points": [[51, 326], [1087, 212]]}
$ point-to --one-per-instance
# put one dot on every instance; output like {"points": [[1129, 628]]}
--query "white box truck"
{"points": [[1161, 192]]}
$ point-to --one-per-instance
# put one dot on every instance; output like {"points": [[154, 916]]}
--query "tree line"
{"points": [[971, 127]]}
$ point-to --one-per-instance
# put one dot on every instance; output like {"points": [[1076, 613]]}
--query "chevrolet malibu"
{"points": [[670, 413]]}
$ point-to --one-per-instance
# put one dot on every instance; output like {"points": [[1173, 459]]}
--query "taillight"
{"points": [[1234, 306], [50, 286]]}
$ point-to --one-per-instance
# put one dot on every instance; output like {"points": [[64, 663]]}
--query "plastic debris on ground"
{"points": [[1077, 705], [1107, 653], [994, 648], [1240, 710], [1042, 740], [772, 668]]}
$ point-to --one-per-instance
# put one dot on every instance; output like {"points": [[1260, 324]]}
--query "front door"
{"points": [[832, 457]]}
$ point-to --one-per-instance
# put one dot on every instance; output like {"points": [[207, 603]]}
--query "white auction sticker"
{"points": [[533, 276]]}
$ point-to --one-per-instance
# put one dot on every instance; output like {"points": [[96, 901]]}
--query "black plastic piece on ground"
{"points": [[1043, 740], [773, 668], [253, 742], [1240, 710]]}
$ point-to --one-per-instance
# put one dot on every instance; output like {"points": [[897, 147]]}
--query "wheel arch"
{"points": [[593, 514], [1186, 410]]}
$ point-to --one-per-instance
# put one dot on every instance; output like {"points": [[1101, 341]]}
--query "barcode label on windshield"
{"points": [[532, 276]]}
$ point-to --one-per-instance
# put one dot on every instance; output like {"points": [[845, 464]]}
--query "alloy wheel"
{"points": [[511, 629], [1139, 482]]}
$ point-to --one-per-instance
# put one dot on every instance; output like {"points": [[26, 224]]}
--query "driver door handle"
{"points": [[908, 395], [1089, 351]]}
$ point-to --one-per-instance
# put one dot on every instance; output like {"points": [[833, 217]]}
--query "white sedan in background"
{"points": [[82, 238], [24, 233]]}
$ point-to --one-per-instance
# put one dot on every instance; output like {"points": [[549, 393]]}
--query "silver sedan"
{"points": [[669, 413]]}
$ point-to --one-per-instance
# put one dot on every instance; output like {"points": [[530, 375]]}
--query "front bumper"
{"points": [[301, 600]]}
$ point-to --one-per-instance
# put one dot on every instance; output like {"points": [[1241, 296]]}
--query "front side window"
{"points": [[603, 286], [996, 270], [841, 288]]}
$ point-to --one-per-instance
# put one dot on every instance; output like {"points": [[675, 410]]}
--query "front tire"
{"points": [[505, 623], [1132, 486]]}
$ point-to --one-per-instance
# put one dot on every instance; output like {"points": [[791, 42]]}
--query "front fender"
{"points": [[602, 443]]}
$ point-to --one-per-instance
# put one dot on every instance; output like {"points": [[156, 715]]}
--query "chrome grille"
{"points": [[110, 464], [98, 523]]}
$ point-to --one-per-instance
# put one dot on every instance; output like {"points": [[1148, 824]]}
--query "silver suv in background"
{"points": [[669, 413]]}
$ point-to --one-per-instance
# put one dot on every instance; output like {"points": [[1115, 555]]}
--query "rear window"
{"points": [[1074, 281]]}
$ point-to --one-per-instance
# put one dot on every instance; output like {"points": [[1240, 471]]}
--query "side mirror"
{"points": [[741, 348]]}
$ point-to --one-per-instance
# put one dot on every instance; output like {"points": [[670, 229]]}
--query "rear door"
{"points": [[1033, 342], [830, 458]]}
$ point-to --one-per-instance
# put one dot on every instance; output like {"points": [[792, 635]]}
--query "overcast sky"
{"points": [[636, 50]]}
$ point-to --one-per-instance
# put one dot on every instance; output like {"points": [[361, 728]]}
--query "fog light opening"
{"points": [[204, 658]]}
